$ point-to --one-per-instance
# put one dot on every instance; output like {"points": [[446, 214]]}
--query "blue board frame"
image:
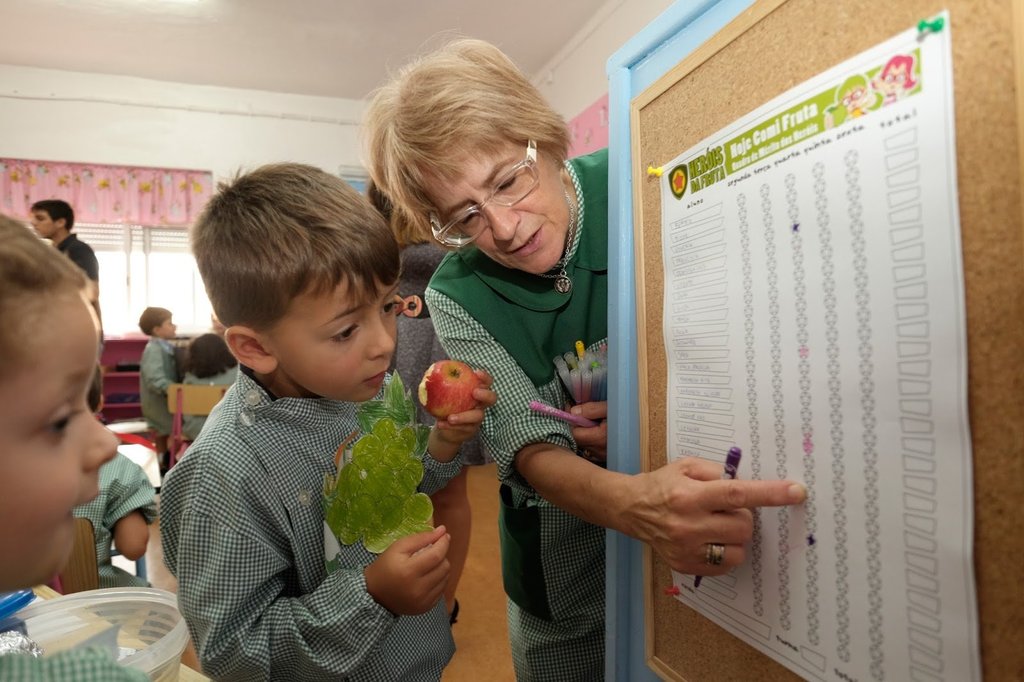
{"points": [[677, 32]]}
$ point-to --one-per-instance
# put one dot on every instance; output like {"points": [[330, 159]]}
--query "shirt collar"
{"points": [[247, 371]]}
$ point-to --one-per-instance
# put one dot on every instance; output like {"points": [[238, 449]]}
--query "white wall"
{"points": [[576, 77], [91, 118]]}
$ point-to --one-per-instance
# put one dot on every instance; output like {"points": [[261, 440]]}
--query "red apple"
{"points": [[447, 388]]}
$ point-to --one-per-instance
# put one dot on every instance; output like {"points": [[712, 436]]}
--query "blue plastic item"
{"points": [[11, 603]]}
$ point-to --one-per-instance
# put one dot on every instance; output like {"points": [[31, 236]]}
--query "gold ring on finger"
{"points": [[714, 554]]}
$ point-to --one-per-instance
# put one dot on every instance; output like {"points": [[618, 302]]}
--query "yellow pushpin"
{"points": [[656, 172], [579, 350]]}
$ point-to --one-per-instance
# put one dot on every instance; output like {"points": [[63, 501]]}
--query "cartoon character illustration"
{"points": [[896, 79], [854, 98]]}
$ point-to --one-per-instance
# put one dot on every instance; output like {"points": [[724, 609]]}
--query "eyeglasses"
{"points": [[511, 188]]}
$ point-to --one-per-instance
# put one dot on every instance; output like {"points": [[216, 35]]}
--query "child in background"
{"points": [[51, 446], [304, 273], [122, 512], [157, 371], [210, 363]]}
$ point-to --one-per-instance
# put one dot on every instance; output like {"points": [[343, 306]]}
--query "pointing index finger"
{"points": [[726, 495]]}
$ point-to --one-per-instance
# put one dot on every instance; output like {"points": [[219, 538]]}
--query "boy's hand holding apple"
{"points": [[457, 396]]}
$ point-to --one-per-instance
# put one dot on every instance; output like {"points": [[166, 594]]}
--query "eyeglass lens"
{"points": [[509, 190]]}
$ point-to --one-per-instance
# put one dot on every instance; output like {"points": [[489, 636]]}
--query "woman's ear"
{"points": [[249, 347]]}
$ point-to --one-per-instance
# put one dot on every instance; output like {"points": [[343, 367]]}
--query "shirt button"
{"points": [[252, 398], [247, 417]]}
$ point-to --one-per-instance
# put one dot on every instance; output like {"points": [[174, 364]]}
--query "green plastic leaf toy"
{"points": [[373, 498]]}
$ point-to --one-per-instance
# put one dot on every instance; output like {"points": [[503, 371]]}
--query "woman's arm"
{"points": [[677, 509]]}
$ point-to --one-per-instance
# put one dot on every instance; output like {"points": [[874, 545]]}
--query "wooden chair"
{"points": [[81, 572], [191, 400]]}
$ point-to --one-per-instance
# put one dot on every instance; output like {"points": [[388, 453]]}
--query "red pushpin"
{"points": [[672, 591]]}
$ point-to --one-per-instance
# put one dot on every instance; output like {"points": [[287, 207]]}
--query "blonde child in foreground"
{"points": [[303, 272], [51, 446]]}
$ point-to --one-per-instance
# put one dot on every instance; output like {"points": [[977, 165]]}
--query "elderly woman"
{"points": [[466, 148]]}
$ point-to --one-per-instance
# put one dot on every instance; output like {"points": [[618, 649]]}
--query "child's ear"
{"points": [[248, 347]]}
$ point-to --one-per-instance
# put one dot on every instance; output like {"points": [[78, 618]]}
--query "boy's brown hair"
{"points": [[32, 274], [285, 230], [152, 317], [406, 232]]}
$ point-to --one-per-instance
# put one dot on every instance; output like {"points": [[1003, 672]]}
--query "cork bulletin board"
{"points": [[770, 48]]}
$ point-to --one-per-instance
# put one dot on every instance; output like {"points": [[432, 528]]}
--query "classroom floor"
{"points": [[481, 634]]}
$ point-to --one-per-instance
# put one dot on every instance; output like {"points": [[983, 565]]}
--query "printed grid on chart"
{"points": [[791, 225]]}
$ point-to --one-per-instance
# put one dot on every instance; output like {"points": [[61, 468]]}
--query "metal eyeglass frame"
{"points": [[451, 235]]}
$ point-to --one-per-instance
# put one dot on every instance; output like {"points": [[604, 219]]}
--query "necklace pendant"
{"points": [[563, 284]]}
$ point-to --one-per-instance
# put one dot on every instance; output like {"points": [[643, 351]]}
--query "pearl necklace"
{"points": [[563, 284]]}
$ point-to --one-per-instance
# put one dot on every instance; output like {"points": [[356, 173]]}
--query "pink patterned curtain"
{"points": [[106, 194]]}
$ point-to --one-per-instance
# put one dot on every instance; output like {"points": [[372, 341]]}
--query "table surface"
{"points": [[185, 674]]}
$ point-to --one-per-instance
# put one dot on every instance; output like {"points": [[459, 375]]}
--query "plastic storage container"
{"points": [[140, 626]]}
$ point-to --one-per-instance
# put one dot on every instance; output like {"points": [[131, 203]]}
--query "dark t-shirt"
{"points": [[82, 255]]}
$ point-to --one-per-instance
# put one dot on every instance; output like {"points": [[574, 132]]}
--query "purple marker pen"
{"points": [[732, 464]]}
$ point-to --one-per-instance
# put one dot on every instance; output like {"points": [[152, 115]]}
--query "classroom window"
{"points": [[146, 266]]}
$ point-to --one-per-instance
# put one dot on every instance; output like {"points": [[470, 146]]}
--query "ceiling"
{"points": [[334, 48]]}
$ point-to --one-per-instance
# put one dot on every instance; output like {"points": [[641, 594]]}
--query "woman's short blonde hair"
{"points": [[465, 99], [32, 275]]}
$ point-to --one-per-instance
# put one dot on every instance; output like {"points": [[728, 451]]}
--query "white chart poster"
{"points": [[814, 317]]}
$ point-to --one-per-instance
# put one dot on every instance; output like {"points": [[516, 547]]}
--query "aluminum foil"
{"points": [[14, 642]]}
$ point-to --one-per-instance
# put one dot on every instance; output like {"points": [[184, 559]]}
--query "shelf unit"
{"points": [[121, 386]]}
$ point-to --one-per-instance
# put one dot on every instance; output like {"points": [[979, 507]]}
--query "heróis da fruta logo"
{"points": [[677, 180], [698, 173]]}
